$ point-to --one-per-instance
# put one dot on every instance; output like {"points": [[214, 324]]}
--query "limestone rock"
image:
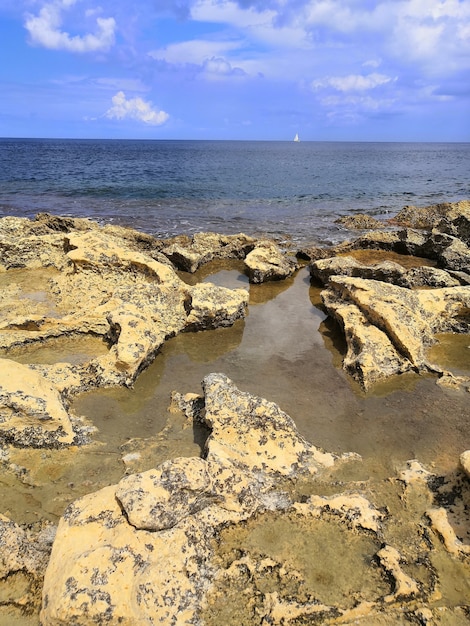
{"points": [[268, 262], [24, 555], [441, 525], [159, 499], [405, 586], [432, 216], [213, 307], [254, 433], [465, 462], [354, 508], [32, 412], [141, 551], [388, 328], [386, 271], [109, 286], [359, 221], [188, 254]]}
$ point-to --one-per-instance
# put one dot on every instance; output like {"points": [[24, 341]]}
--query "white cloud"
{"points": [[218, 67], [195, 51], [45, 30], [208, 57], [136, 109], [228, 12], [353, 82]]}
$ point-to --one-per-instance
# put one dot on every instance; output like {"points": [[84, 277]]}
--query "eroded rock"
{"points": [[268, 262], [360, 221], [388, 329], [104, 284], [386, 271], [153, 532], [32, 412], [24, 555], [181, 542], [189, 253]]}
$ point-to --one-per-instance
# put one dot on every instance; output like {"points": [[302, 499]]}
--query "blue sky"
{"points": [[385, 70]]}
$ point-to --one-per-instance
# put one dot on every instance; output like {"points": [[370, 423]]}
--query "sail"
{"points": [[296, 138]]}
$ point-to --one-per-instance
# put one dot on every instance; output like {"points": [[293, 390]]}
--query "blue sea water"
{"points": [[296, 190]]}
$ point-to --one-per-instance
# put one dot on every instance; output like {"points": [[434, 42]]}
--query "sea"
{"points": [[285, 189]]}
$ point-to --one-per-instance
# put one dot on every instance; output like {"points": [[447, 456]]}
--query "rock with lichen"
{"points": [[388, 329], [141, 551], [267, 262], [71, 278]]}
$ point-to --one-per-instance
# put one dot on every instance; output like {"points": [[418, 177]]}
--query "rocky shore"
{"points": [[261, 514]]}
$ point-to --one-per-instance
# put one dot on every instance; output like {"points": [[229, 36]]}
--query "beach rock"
{"points": [[447, 250], [189, 253], [433, 216], [209, 306], [268, 262], [465, 462], [407, 241], [359, 221], [386, 271], [459, 228], [178, 544], [389, 329], [106, 287], [450, 252], [142, 551], [32, 412], [24, 556]]}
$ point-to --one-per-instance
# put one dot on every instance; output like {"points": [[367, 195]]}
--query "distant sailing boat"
{"points": [[296, 138]]}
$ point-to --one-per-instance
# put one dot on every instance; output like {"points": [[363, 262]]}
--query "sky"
{"points": [[330, 70]]}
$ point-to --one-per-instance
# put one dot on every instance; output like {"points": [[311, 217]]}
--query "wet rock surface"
{"points": [[253, 510], [105, 288], [180, 543], [386, 308]]}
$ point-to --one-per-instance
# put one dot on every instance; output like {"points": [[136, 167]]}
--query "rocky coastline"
{"points": [[180, 542]]}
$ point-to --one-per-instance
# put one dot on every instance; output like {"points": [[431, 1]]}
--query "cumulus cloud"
{"points": [[353, 82], [46, 30], [135, 109], [218, 67], [206, 58]]}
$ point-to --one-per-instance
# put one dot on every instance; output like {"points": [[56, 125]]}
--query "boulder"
{"points": [[268, 262], [435, 215]]}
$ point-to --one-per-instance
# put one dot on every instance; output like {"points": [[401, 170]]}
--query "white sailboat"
{"points": [[296, 138]]}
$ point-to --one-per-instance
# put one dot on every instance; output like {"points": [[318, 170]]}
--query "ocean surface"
{"points": [[286, 189]]}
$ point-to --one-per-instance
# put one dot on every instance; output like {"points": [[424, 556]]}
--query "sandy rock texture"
{"points": [[264, 259], [391, 310], [181, 543], [67, 278], [24, 556]]}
